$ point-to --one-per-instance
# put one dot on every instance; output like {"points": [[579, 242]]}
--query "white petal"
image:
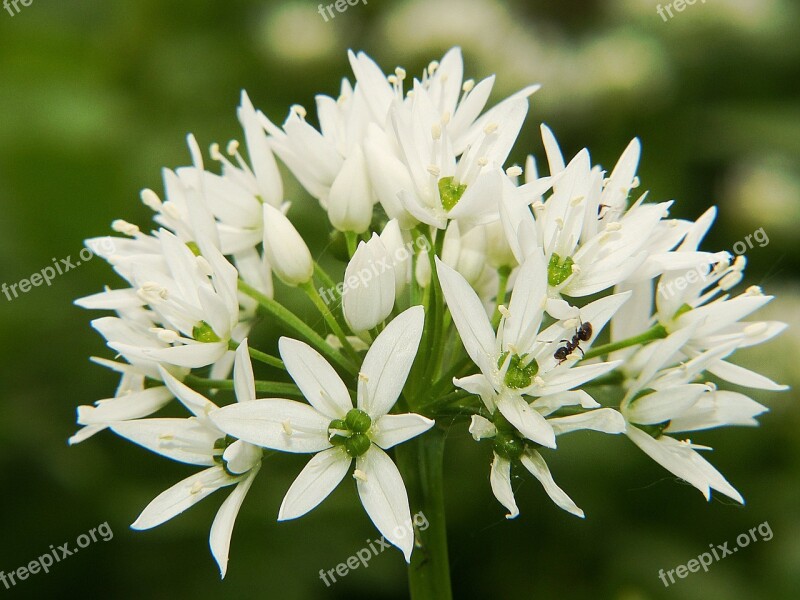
{"points": [[184, 440], [193, 356], [717, 409], [384, 497], [243, 379], [550, 404], [744, 377], [390, 430], [275, 423], [469, 317], [480, 386], [562, 380], [605, 420], [135, 405], [198, 404], [529, 422], [526, 307], [534, 462], [500, 480], [240, 457], [481, 428], [389, 360], [315, 483], [181, 496], [665, 405], [222, 527], [684, 462], [316, 378]]}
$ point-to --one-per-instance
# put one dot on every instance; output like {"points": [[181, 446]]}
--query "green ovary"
{"points": [[518, 376], [450, 192], [203, 332], [559, 270]]}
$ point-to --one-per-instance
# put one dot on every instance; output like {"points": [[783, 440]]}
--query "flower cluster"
{"points": [[476, 294]]}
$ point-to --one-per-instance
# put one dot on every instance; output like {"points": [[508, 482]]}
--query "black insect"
{"points": [[582, 334]]}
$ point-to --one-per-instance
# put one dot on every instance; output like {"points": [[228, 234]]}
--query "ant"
{"points": [[582, 334]]}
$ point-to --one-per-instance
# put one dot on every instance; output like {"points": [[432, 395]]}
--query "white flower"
{"points": [[285, 249], [519, 360], [590, 240], [193, 299], [662, 392], [371, 299], [198, 441], [329, 163], [509, 446], [337, 433], [437, 159]]}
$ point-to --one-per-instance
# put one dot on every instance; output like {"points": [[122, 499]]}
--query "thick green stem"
{"points": [[656, 332], [421, 463], [268, 387], [293, 322]]}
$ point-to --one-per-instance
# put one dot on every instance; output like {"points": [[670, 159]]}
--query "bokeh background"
{"points": [[96, 97]]}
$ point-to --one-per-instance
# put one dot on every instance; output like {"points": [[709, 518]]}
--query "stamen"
{"points": [[125, 228]]}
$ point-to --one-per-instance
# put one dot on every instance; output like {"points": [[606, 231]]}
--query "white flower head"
{"points": [[337, 433], [198, 441]]}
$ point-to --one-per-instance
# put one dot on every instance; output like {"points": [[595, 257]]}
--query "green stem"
{"points": [[656, 332], [267, 359], [330, 319], [352, 242], [269, 387], [503, 274], [421, 461], [293, 322]]}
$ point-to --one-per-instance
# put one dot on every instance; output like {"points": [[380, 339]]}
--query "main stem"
{"points": [[421, 461]]}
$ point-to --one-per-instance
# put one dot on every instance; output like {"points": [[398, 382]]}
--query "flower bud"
{"points": [[285, 249], [369, 291], [400, 251], [350, 198], [465, 252]]}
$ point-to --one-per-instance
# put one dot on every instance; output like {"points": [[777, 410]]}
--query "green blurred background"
{"points": [[95, 97]]}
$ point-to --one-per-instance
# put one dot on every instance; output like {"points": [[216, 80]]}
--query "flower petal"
{"points": [[534, 462], [316, 378], [276, 423], [500, 480], [222, 527], [185, 440], [243, 379], [181, 496], [469, 317], [481, 428], [390, 430], [529, 422], [384, 497], [605, 420], [314, 483], [389, 360]]}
